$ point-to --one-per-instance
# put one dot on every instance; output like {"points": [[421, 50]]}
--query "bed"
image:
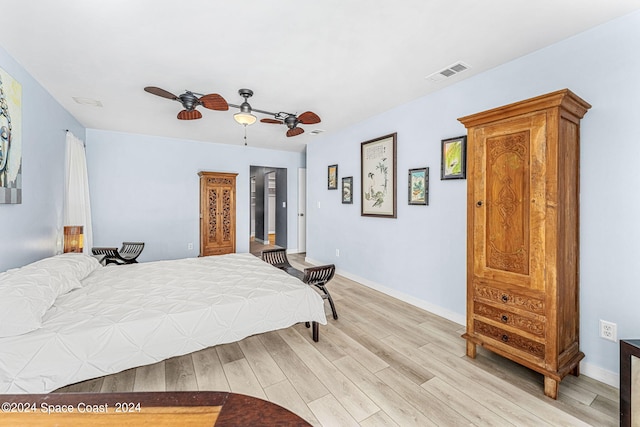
{"points": [[102, 320]]}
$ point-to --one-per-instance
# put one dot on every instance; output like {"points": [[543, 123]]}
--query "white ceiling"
{"points": [[344, 60]]}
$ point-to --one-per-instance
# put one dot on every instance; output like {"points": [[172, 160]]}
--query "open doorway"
{"points": [[268, 214]]}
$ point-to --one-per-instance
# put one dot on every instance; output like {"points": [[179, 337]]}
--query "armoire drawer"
{"points": [[509, 298], [509, 338], [526, 324]]}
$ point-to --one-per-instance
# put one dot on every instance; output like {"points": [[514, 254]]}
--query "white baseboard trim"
{"points": [[431, 308], [587, 369], [602, 375]]}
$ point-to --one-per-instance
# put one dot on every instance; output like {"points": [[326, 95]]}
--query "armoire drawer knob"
{"points": [[504, 318], [505, 338], [479, 203], [504, 298]]}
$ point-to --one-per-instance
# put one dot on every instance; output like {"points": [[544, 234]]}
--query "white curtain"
{"points": [[77, 208]]}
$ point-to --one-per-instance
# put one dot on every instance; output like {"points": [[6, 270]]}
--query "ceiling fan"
{"points": [[191, 100], [292, 121], [213, 101]]}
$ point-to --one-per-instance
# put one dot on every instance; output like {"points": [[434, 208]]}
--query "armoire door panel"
{"points": [[507, 207], [507, 217]]}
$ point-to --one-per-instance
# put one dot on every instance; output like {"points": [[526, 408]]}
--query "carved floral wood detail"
{"points": [[507, 159], [226, 215], [213, 214], [523, 323], [531, 347], [498, 295], [220, 181]]}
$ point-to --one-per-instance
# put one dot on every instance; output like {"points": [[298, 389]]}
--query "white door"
{"points": [[302, 210]]}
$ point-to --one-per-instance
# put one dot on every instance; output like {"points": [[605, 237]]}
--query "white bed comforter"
{"points": [[133, 315]]}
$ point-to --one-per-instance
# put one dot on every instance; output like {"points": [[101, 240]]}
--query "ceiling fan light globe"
{"points": [[245, 118]]}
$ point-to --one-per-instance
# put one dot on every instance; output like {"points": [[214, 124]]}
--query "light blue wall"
{"points": [[421, 254], [30, 231], [146, 188]]}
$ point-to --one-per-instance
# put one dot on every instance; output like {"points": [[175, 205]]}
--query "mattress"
{"points": [[139, 314]]}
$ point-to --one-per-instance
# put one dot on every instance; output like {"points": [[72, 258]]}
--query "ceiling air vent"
{"points": [[451, 70], [87, 101]]}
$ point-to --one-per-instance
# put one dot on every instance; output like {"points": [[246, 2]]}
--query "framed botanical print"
{"points": [[332, 177], [419, 186], [347, 189], [454, 158], [378, 183]]}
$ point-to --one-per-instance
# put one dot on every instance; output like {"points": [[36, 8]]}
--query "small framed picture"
{"points": [[419, 186], [454, 158], [347, 189], [332, 177]]}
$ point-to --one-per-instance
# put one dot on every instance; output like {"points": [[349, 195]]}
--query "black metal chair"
{"points": [[128, 253], [317, 276]]}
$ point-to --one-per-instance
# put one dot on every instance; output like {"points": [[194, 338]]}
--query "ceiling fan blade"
{"points": [[160, 92], [295, 131], [308, 118], [189, 115], [272, 121], [214, 101]]}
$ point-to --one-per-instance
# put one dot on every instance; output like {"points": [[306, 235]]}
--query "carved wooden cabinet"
{"points": [[217, 213], [522, 233]]}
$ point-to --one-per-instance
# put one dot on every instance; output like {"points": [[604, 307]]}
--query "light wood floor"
{"points": [[382, 363]]}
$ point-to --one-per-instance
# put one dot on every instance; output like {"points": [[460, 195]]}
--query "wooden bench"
{"points": [[127, 254], [317, 276]]}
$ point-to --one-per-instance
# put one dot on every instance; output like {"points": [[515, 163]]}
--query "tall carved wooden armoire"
{"points": [[522, 233], [217, 213]]}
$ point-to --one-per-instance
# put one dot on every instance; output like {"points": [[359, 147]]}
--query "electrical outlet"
{"points": [[608, 331], [337, 252], [190, 246]]}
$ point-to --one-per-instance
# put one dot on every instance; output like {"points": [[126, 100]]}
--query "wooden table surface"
{"points": [[205, 408]]}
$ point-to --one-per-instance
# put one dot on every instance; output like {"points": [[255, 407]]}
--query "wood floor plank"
{"points": [[242, 379], [330, 412], [180, 374], [327, 347], [353, 348], [480, 388], [357, 403], [512, 403], [308, 386], [89, 386], [263, 365], [597, 387], [532, 382], [120, 382], [472, 410], [229, 352], [396, 359], [285, 395], [379, 419], [436, 410], [382, 395], [150, 378], [208, 370]]}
